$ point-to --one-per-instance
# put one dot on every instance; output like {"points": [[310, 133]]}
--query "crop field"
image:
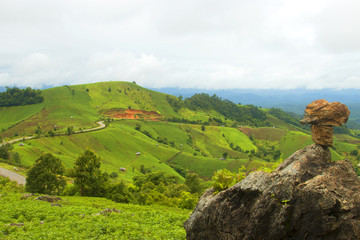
{"points": [[86, 218], [264, 133], [9, 116], [80, 106], [293, 141], [347, 138], [115, 151], [192, 146], [118, 143]]}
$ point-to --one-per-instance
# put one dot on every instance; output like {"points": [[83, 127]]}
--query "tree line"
{"points": [[246, 114], [49, 176], [19, 97]]}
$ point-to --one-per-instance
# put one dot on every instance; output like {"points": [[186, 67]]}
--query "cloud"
{"points": [[199, 44], [120, 66]]}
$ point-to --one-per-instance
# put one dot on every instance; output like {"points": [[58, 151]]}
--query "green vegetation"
{"points": [[45, 176], [223, 179], [248, 114], [200, 141], [189, 146], [19, 97], [288, 117], [24, 217], [88, 177]]}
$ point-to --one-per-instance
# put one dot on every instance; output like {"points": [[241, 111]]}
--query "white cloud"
{"points": [[200, 44], [4, 79], [120, 66]]}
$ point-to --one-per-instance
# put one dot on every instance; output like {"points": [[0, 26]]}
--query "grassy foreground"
{"points": [[86, 218]]}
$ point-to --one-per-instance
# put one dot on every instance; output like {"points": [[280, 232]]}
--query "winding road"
{"points": [[100, 123], [21, 179], [13, 176]]}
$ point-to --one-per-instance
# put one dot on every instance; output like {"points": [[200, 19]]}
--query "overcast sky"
{"points": [[204, 44]]}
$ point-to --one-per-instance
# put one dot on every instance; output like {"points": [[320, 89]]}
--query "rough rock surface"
{"points": [[306, 197], [322, 116], [322, 135], [321, 112]]}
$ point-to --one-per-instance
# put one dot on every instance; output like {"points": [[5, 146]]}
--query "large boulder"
{"points": [[307, 197]]}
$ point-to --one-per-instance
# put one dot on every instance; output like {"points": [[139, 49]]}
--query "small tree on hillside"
{"points": [[88, 177], [5, 151], [17, 158], [70, 130], [45, 175], [193, 182]]}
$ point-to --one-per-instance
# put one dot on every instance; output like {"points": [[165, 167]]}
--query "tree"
{"points": [[193, 182], [17, 158], [51, 133], [202, 127], [5, 151], [113, 175], [38, 131], [354, 152], [225, 154], [119, 192], [70, 130], [45, 175], [16, 97], [88, 177]]}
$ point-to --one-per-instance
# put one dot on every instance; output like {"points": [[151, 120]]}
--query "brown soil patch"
{"points": [[133, 114]]}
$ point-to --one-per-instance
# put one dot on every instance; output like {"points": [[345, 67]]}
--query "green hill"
{"points": [[201, 134]]}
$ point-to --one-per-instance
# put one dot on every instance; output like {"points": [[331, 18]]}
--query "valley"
{"points": [[154, 149], [145, 121]]}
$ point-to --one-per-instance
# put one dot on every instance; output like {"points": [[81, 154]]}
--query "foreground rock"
{"points": [[306, 197], [322, 116]]}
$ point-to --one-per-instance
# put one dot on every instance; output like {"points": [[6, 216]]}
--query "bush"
{"points": [[223, 179]]}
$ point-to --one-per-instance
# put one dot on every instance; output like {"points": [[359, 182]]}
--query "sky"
{"points": [[204, 44]]}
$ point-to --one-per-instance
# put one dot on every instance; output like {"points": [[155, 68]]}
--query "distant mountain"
{"points": [[158, 131], [294, 100]]}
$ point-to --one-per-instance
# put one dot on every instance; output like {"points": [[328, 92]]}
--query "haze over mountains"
{"points": [[292, 100]]}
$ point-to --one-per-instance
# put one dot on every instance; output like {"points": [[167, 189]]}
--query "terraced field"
{"points": [[162, 145]]}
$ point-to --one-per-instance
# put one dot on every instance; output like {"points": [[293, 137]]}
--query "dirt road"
{"points": [[13, 176], [100, 123]]}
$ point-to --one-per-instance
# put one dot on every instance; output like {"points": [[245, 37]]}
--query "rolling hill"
{"points": [[170, 134]]}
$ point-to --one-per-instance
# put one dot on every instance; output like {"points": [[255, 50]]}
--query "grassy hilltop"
{"points": [[199, 135], [153, 136]]}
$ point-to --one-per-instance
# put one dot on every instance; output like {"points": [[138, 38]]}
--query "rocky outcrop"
{"points": [[306, 197], [322, 116]]}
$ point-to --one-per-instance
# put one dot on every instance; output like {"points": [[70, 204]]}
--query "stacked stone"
{"points": [[322, 116]]}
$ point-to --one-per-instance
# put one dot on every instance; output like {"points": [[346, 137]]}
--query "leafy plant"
{"points": [[45, 176], [223, 179]]}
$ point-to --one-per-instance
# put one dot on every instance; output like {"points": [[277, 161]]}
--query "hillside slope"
{"points": [[172, 135]]}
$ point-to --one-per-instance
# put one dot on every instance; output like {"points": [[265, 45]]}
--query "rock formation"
{"points": [[322, 116], [306, 197]]}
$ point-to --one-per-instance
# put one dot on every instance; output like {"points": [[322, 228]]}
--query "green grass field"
{"points": [[118, 144], [9, 116], [81, 218], [293, 141], [187, 145], [80, 106]]}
